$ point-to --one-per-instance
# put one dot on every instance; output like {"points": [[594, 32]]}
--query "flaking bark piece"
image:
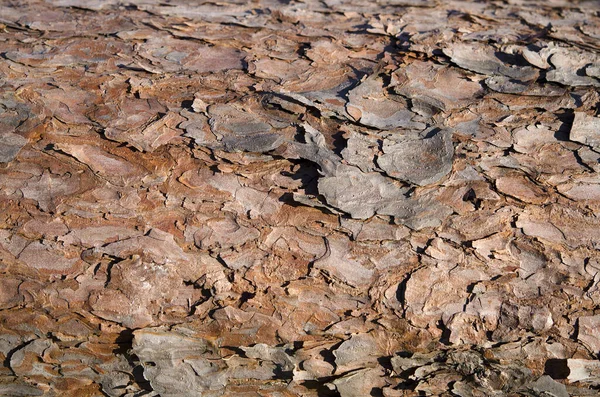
{"points": [[50, 189], [138, 292], [521, 188], [438, 87], [588, 333], [20, 389], [547, 386], [177, 364], [327, 52], [126, 120], [360, 151], [283, 72], [196, 127], [277, 355], [420, 161], [586, 130], [78, 51], [585, 371], [10, 146], [369, 105], [539, 57], [483, 60], [360, 383], [508, 85], [359, 350], [100, 161], [173, 55], [239, 127], [223, 232], [364, 194], [593, 71], [571, 66], [45, 259], [339, 263], [531, 138], [329, 100], [154, 135]]}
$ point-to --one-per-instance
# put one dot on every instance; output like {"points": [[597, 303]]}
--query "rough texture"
{"points": [[299, 198]]}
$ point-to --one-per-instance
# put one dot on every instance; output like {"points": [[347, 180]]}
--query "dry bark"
{"points": [[309, 198]]}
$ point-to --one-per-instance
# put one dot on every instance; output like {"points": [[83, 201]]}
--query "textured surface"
{"points": [[299, 198]]}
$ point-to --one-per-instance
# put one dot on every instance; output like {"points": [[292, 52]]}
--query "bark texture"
{"points": [[299, 198]]}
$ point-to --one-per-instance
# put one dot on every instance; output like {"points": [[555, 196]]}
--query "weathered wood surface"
{"points": [[299, 198]]}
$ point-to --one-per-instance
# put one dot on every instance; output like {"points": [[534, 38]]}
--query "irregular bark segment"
{"points": [[586, 129], [478, 58], [10, 145], [176, 364], [421, 162], [369, 105]]}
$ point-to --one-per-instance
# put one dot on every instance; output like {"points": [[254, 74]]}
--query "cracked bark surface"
{"points": [[299, 198]]}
